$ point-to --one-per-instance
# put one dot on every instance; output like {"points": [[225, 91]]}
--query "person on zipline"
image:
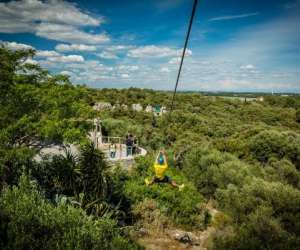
{"points": [[160, 167]]}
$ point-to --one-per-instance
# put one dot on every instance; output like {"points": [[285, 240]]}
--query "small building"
{"points": [[124, 106], [102, 106], [137, 107], [159, 110], [260, 99], [163, 110], [149, 109], [116, 106]]}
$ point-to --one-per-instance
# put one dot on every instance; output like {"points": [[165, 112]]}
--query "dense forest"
{"points": [[240, 158]]}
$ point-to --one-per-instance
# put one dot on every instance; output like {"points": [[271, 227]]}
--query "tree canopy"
{"points": [[243, 157]]}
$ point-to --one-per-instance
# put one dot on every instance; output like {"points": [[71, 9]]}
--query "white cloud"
{"points": [[231, 17], [249, 66], [165, 70], [53, 19], [152, 51], [267, 43], [67, 59], [88, 66], [113, 51], [66, 72], [174, 60], [47, 53], [68, 33], [31, 61], [15, 46], [75, 47], [118, 47], [230, 65], [54, 11], [125, 76], [271, 47], [107, 55], [128, 67]]}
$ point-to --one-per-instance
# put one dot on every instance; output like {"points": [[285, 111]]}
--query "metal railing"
{"points": [[115, 147], [116, 139]]}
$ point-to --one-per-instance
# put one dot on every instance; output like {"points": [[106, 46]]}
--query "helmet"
{"points": [[161, 160]]}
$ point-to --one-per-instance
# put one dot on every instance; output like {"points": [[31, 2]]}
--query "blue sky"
{"points": [[235, 45]]}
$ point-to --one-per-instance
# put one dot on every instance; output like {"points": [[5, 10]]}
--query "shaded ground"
{"points": [[173, 238]]}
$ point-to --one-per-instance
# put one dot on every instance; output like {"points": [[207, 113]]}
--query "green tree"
{"points": [[298, 115], [271, 143], [28, 221], [94, 177]]}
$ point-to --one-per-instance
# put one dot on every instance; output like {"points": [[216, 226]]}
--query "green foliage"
{"points": [[259, 232], [242, 155], [298, 115], [265, 213], [210, 169], [94, 171], [268, 144], [10, 62], [36, 107], [283, 171], [116, 127], [12, 163], [84, 176], [31, 222], [183, 207], [283, 101]]}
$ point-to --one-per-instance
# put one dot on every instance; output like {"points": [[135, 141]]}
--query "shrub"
{"points": [[148, 213], [12, 162], [271, 143], [265, 214], [298, 115], [282, 198], [283, 171], [210, 169], [259, 232], [183, 208], [33, 223]]}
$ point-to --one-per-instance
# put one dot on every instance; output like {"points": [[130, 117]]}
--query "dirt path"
{"points": [[174, 238]]}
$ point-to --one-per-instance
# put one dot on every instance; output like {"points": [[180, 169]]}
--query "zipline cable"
{"points": [[183, 53]]}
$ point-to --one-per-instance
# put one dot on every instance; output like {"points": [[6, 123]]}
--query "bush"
{"points": [[33, 223], [259, 232], [182, 207], [148, 214], [12, 162], [271, 143], [283, 171], [265, 215], [298, 115], [210, 169]]}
